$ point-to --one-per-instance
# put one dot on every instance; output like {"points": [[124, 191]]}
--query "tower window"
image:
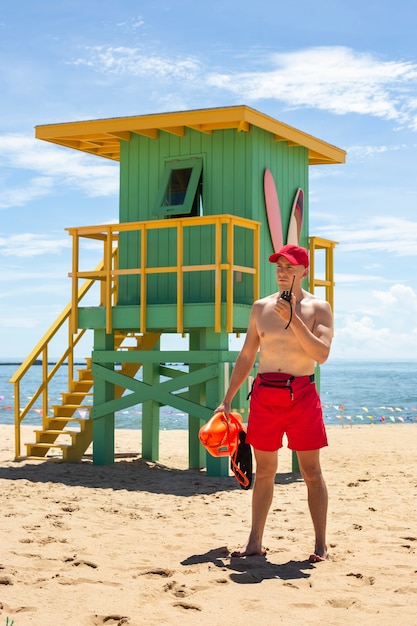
{"points": [[180, 189]]}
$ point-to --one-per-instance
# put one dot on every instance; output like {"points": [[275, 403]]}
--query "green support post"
{"points": [[150, 415], [103, 427], [295, 467], [197, 393]]}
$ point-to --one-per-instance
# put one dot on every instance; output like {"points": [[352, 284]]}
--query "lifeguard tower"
{"points": [[205, 198]]}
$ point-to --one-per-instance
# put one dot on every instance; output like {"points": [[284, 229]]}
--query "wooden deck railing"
{"points": [[109, 274]]}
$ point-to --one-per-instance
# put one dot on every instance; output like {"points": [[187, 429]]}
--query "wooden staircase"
{"points": [[66, 436]]}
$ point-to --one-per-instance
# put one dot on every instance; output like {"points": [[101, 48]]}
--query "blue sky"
{"points": [[343, 71]]}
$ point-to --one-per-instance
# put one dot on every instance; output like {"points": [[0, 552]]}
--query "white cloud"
{"points": [[360, 338], [19, 196], [31, 245], [22, 321], [361, 153], [132, 24], [388, 329], [385, 234], [331, 78], [336, 79], [55, 167], [354, 279], [20, 274], [398, 305], [136, 62]]}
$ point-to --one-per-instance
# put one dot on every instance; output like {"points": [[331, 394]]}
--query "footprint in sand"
{"points": [[187, 607], [86, 563], [61, 525], [405, 590], [76, 562], [179, 591], [109, 620], [342, 603], [17, 609], [6, 580], [70, 508], [46, 540], [367, 580], [409, 546], [157, 573]]}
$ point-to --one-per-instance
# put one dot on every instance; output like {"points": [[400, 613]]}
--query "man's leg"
{"points": [[317, 499], [263, 491]]}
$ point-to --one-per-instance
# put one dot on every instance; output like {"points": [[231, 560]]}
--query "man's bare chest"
{"points": [[271, 325]]}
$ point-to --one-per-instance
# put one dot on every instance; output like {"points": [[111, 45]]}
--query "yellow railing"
{"points": [[110, 272], [41, 353], [317, 243]]}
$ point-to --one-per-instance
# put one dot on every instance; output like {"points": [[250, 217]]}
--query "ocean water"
{"points": [[351, 393], [369, 392]]}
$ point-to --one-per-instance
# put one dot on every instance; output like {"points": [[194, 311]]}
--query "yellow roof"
{"points": [[102, 137]]}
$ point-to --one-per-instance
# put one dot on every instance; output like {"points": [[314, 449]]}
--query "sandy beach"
{"points": [[148, 543]]}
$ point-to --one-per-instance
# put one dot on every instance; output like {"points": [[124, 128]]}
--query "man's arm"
{"points": [[316, 343], [244, 363]]}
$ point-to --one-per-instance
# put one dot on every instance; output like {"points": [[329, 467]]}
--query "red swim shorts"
{"points": [[281, 403]]}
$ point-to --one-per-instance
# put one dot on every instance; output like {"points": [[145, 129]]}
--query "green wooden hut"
{"points": [[189, 255]]}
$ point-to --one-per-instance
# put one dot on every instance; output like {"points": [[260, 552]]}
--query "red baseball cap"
{"points": [[294, 254]]}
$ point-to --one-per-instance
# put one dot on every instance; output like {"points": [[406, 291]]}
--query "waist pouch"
{"points": [[276, 392], [273, 390]]}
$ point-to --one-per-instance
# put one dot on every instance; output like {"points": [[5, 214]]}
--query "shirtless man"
{"points": [[291, 339]]}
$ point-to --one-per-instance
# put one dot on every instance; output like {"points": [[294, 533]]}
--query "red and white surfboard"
{"points": [[273, 211]]}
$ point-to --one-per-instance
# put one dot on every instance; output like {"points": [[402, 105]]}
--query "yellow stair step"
{"points": [[57, 432], [49, 445], [51, 459], [54, 423], [71, 406]]}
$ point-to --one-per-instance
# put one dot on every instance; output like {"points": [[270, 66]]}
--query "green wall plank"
{"points": [[233, 170]]}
